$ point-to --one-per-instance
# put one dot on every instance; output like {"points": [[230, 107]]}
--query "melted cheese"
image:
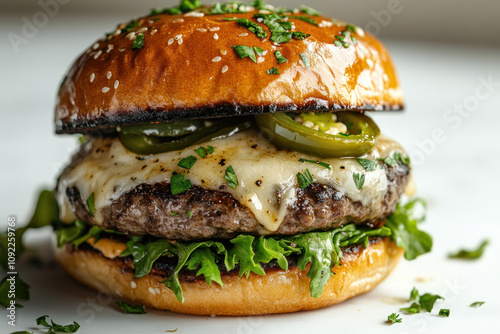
{"points": [[108, 170]]}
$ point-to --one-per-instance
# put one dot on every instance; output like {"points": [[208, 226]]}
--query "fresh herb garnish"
{"points": [[187, 162], [359, 180], [305, 60], [316, 162], [281, 59], [245, 51], [178, 184], [300, 35], [344, 134], [368, 165], [55, 328], [189, 213], [421, 302], [185, 6], [230, 177], [309, 10], [413, 309], [210, 149], [305, 19], [174, 213], [131, 25], [444, 312], [90, 204], [22, 290], [345, 35], [258, 51], [253, 27], [470, 254], [393, 318], [280, 30], [304, 179], [273, 70], [413, 295], [476, 304], [131, 309], [389, 161], [138, 42], [202, 152]]}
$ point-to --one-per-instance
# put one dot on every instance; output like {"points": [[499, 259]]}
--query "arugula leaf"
{"points": [[368, 165], [273, 70], [94, 231], [178, 184], [22, 290], [305, 60], [131, 309], [138, 42], [476, 304], [304, 179], [470, 254], [54, 327], [187, 162], [309, 10], [146, 254], [243, 253], [359, 180], [316, 162], [271, 249], [205, 259], [230, 177], [183, 252], [67, 234], [393, 318], [444, 312], [281, 59], [245, 51], [403, 223]]}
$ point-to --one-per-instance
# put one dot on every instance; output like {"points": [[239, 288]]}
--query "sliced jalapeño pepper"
{"points": [[286, 133], [171, 129], [152, 144]]}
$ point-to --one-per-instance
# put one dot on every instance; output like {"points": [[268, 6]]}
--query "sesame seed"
{"points": [[117, 32], [142, 30], [178, 37], [95, 46], [180, 41], [214, 29], [178, 20], [360, 31], [151, 291], [216, 59], [105, 89], [133, 285], [243, 34], [92, 77], [296, 11], [121, 49], [109, 74], [158, 291], [130, 36], [153, 31], [224, 69], [116, 84], [110, 47], [194, 14], [170, 41], [202, 30], [97, 54], [223, 52], [264, 53], [260, 59], [216, 36], [263, 11], [325, 24]]}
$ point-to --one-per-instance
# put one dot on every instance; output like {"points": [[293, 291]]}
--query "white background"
{"points": [[444, 54]]}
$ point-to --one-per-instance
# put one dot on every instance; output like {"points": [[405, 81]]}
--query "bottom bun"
{"points": [[278, 291]]}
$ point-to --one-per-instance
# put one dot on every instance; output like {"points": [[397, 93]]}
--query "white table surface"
{"points": [[459, 177]]}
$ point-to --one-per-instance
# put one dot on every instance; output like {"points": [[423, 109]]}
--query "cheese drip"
{"points": [[267, 175]]}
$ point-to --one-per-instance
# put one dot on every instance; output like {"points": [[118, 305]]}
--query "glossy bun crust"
{"points": [[188, 69], [277, 292]]}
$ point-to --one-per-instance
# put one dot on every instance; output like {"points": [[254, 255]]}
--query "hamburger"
{"points": [[227, 166]]}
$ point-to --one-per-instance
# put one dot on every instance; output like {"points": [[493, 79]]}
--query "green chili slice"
{"points": [[171, 129], [145, 145], [286, 133]]}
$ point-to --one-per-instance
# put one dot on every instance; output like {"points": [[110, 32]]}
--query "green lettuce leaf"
{"points": [[243, 253], [145, 254], [206, 260]]}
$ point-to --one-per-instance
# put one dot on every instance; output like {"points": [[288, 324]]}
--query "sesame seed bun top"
{"points": [[166, 67]]}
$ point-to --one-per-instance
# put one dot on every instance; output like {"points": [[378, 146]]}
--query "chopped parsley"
{"points": [[273, 70], [316, 162], [305, 60], [305, 19], [391, 162], [202, 152], [138, 42], [259, 51], [281, 59], [188, 162], [359, 180], [174, 213], [421, 302], [444, 312], [178, 184], [189, 213], [280, 30], [231, 178], [253, 27], [470, 254], [131, 309], [393, 318], [245, 51], [309, 10], [304, 179], [368, 165], [476, 304], [413, 295], [90, 204], [300, 35], [345, 35], [210, 149], [131, 25], [54, 327]]}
